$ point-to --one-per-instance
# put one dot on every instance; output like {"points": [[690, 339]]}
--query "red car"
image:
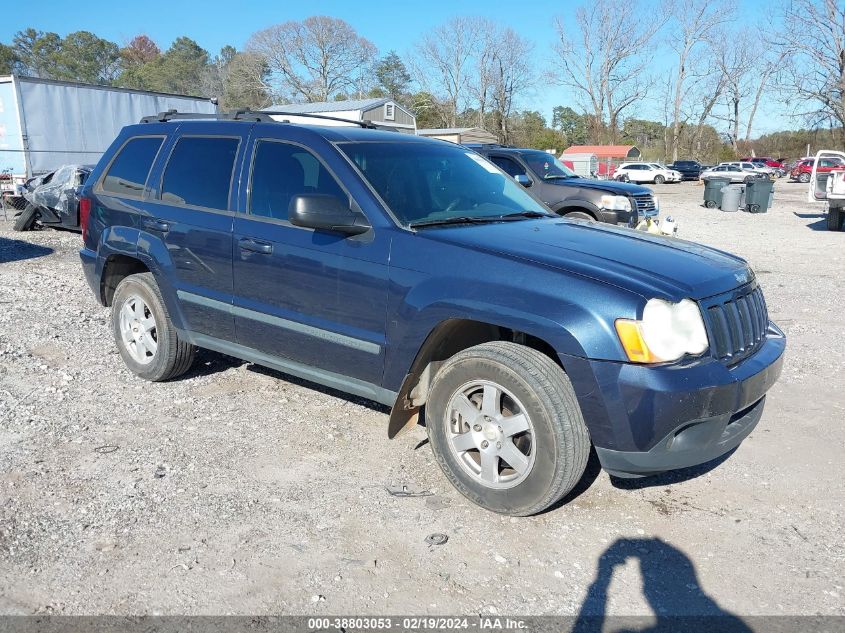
{"points": [[802, 170], [764, 160]]}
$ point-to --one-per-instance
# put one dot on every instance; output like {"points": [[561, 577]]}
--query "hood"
{"points": [[610, 186], [650, 265]]}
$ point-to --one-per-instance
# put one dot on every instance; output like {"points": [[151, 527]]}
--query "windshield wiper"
{"points": [[556, 176], [462, 219], [526, 214]]}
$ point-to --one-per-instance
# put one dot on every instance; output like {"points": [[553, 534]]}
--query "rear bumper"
{"points": [[89, 268], [645, 420]]}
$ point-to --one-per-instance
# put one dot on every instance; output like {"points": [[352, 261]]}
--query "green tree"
{"points": [[427, 110], [135, 57], [9, 61], [572, 125], [82, 56], [392, 76], [181, 69], [37, 52]]}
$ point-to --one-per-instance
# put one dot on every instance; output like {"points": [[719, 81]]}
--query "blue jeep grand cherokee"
{"points": [[417, 274]]}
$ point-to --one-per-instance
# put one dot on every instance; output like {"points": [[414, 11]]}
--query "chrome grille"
{"points": [[737, 324], [645, 205]]}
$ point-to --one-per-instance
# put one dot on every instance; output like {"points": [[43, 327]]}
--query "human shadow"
{"points": [[17, 250], [669, 585]]}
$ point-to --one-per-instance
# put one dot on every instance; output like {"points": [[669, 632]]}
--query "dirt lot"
{"points": [[239, 490]]}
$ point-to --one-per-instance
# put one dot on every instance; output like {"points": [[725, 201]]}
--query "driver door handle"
{"points": [[254, 246], [154, 224]]}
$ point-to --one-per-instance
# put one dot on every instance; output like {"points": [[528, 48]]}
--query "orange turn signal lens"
{"points": [[635, 347]]}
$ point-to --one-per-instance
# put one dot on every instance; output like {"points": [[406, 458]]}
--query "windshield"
{"points": [[546, 166], [431, 182]]}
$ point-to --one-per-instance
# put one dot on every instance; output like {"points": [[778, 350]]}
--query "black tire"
{"points": [[173, 356], [834, 219], [26, 220], [561, 443], [804, 177], [659, 180], [579, 215], [749, 179], [710, 204], [754, 208], [623, 178]]}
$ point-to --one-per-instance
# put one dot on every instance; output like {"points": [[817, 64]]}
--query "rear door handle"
{"points": [[154, 224], [255, 246]]}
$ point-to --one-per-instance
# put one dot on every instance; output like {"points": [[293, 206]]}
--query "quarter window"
{"points": [[128, 172], [199, 172], [280, 172]]}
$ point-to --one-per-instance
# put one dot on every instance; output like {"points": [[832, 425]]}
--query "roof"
{"points": [[80, 84], [329, 106], [448, 130], [605, 151]]}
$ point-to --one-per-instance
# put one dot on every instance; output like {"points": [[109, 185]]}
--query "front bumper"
{"points": [[645, 420]]}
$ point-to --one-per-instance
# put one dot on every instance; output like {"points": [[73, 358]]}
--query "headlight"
{"points": [[666, 332], [615, 203]]}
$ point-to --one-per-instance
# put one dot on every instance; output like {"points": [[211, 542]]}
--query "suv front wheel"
{"points": [[506, 428], [145, 336]]}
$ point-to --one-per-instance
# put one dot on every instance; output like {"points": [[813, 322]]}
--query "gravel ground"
{"points": [[236, 489]]}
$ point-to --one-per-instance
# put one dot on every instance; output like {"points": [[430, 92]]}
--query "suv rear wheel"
{"points": [[145, 336], [506, 428]]}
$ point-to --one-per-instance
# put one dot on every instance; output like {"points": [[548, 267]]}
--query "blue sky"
{"points": [[389, 25]]}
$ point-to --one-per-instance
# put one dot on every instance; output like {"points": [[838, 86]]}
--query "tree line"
{"points": [[714, 75]]}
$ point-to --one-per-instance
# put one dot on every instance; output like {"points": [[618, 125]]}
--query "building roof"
{"points": [[605, 151], [329, 106]]}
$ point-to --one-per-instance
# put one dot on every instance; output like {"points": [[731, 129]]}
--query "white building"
{"points": [[383, 112]]}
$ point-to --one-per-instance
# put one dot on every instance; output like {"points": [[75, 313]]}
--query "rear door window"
{"points": [[128, 172], [281, 171], [199, 172]]}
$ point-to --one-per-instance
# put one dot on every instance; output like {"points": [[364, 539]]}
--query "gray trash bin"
{"points": [[713, 191], [758, 196], [731, 197]]}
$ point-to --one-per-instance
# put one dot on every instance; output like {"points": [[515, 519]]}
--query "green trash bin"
{"points": [[758, 195], [713, 191]]}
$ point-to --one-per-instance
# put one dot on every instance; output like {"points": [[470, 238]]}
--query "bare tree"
{"points": [[695, 22], [512, 75], [735, 59], [445, 60], [813, 42], [484, 72], [315, 59], [606, 61]]}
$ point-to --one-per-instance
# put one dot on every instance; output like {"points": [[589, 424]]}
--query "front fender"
{"points": [[559, 310]]}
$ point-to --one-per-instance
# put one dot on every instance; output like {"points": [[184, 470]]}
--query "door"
{"points": [[314, 297], [191, 210]]}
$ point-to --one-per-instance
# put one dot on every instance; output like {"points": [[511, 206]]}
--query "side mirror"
{"points": [[523, 180], [326, 212]]}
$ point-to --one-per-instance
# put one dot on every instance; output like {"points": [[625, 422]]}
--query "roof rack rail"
{"points": [[259, 116]]}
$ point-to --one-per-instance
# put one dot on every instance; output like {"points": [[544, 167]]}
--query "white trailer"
{"points": [[45, 123]]}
